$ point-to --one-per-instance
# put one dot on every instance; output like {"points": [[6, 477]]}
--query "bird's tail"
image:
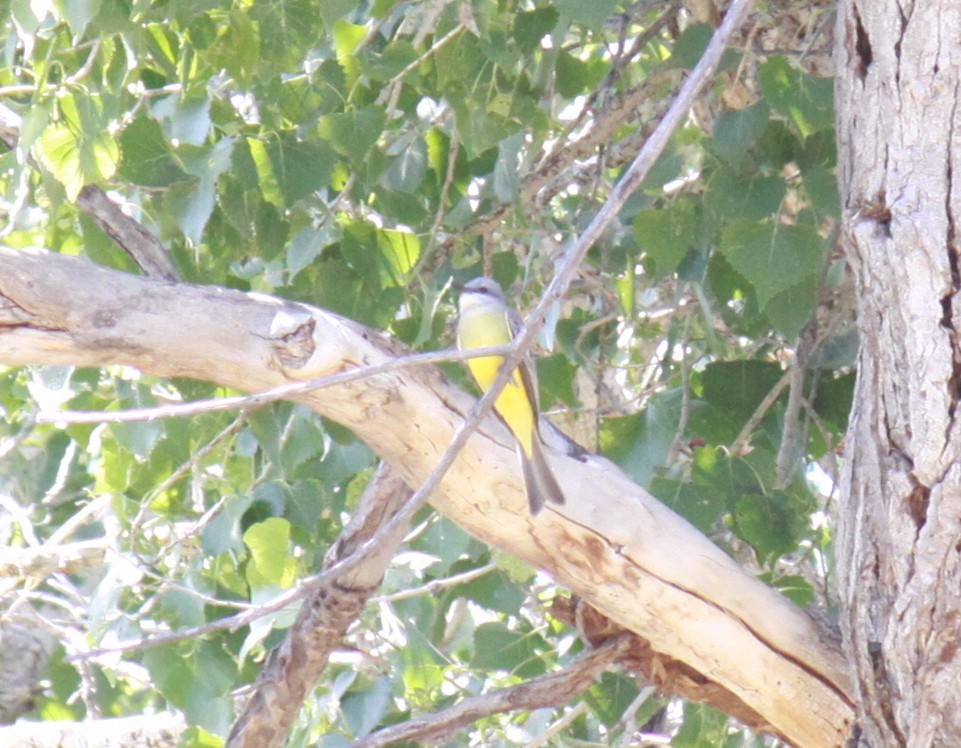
{"points": [[539, 479]]}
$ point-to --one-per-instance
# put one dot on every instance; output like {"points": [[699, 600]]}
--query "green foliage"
{"points": [[361, 157]]}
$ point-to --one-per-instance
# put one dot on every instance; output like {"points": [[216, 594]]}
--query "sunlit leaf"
{"points": [[271, 562]]}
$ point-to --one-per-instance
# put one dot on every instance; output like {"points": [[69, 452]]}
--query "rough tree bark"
{"points": [[899, 544]]}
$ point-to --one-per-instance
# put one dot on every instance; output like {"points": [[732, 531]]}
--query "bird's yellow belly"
{"points": [[513, 404]]}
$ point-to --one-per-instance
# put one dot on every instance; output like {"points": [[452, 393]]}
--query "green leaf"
{"points": [[494, 591], [555, 379], [737, 387], [270, 559], [237, 50], [506, 181], [793, 586], [147, 158], [262, 162], [423, 668], [197, 737], [773, 257], [690, 45], [333, 10], [737, 130], [734, 195], [389, 63], [358, 248], [532, 26], [191, 203], [591, 14], [833, 400], [187, 118], [399, 251], [571, 75], [792, 308], [76, 158], [666, 235], [353, 133], [446, 540], [406, 207], [138, 437], [639, 443], [807, 101], [339, 288], [299, 168], [171, 671], [222, 533], [768, 523], [612, 694], [496, 647], [364, 709], [406, 171], [703, 727], [821, 186], [699, 505], [79, 13], [455, 65], [733, 476], [306, 247]]}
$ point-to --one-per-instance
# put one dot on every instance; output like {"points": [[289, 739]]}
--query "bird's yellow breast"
{"points": [[481, 327]]}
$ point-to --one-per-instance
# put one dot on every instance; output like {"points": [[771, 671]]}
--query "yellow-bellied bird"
{"points": [[486, 320]]}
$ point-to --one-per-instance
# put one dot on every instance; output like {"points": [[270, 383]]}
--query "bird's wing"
{"points": [[526, 366]]}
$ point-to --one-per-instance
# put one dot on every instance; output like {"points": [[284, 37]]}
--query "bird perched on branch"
{"points": [[486, 320]]}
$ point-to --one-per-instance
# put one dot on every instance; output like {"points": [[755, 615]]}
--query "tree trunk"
{"points": [[899, 539]]}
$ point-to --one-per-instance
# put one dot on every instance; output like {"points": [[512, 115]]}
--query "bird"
{"points": [[486, 320]]}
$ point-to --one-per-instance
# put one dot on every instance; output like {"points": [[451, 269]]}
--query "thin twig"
{"points": [[437, 585], [281, 392], [685, 413], [740, 442]]}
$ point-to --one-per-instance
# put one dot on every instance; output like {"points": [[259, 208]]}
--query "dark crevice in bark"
{"points": [[879, 212], [854, 741], [918, 501], [897, 47], [884, 697], [947, 301], [862, 46]]}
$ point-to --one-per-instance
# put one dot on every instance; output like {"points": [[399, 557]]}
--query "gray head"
{"points": [[483, 287]]}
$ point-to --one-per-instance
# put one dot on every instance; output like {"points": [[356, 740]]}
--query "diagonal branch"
{"points": [[544, 691], [294, 667]]}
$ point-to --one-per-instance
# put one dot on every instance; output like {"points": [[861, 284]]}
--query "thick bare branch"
{"points": [[612, 544], [152, 731]]}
